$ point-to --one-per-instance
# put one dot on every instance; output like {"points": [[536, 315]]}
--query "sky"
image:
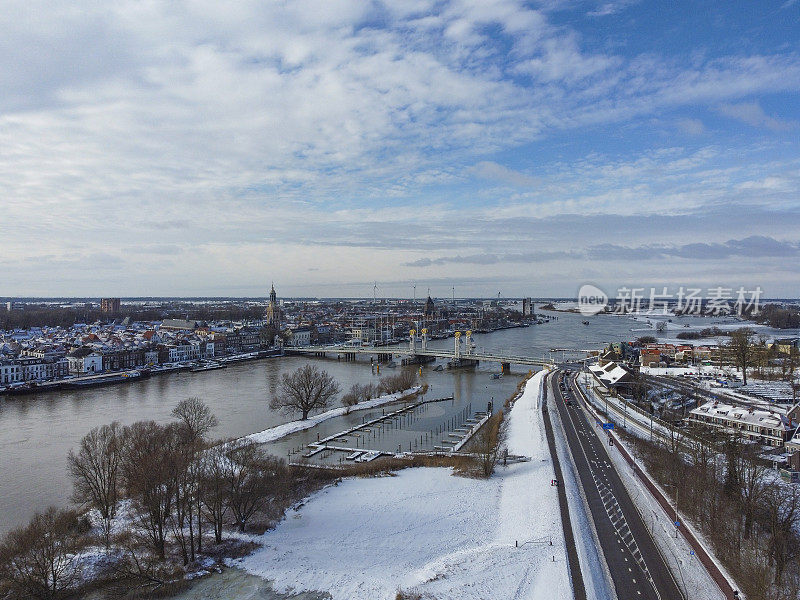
{"points": [[167, 147]]}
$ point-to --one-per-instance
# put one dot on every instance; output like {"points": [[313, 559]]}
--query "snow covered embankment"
{"points": [[276, 433], [429, 532]]}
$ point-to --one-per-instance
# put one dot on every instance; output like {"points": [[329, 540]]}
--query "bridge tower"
{"points": [[412, 341], [457, 351], [468, 342], [424, 340]]}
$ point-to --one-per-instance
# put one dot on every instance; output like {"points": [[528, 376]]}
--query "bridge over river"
{"points": [[417, 352]]}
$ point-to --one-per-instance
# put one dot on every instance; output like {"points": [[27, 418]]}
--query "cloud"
{"points": [[753, 247], [691, 126], [163, 249], [355, 137], [752, 114], [605, 9], [496, 172]]}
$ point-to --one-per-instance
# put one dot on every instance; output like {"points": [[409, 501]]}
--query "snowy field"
{"points": [[427, 531]]}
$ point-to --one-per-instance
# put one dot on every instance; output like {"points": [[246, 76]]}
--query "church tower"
{"points": [[273, 310]]}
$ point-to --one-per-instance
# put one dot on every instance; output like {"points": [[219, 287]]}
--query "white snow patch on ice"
{"points": [[280, 431]]}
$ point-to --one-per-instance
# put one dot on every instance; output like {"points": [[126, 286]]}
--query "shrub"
{"points": [[396, 383], [37, 561]]}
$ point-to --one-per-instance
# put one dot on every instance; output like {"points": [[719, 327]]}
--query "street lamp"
{"points": [[677, 521]]}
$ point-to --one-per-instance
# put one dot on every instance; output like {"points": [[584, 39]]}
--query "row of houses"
{"points": [[654, 355], [32, 369], [42, 354], [758, 425]]}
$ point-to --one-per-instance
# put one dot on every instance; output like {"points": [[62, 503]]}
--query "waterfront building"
{"points": [[10, 372], [184, 351], [40, 369], [123, 358], [151, 358], [84, 360]]}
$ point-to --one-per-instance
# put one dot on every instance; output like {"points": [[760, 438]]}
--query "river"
{"points": [[37, 431]]}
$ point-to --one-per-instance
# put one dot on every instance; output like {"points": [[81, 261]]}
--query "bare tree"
{"points": [[358, 393], [195, 421], [254, 479], [148, 468], [489, 444], [138, 563], [673, 446], [640, 390], [215, 473], [790, 365], [195, 418], [783, 509], [95, 472], [38, 561], [741, 349], [184, 489], [752, 474], [351, 398], [406, 379], [304, 390]]}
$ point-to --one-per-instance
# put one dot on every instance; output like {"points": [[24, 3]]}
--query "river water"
{"points": [[37, 431]]}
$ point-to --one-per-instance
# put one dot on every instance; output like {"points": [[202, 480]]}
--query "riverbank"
{"points": [[421, 530], [280, 431], [127, 376]]}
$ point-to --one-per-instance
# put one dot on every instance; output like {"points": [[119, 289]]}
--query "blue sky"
{"points": [[191, 148]]}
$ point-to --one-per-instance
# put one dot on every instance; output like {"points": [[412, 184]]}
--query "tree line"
{"points": [[157, 494], [749, 516], [37, 315], [176, 488]]}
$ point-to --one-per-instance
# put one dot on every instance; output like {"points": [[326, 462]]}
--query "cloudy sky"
{"points": [[163, 147]]}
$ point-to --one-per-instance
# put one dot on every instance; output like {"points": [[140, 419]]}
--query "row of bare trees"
{"points": [[751, 354], [749, 515], [177, 481], [174, 487], [177, 486], [309, 389]]}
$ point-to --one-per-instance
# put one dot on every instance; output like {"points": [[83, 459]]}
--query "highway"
{"points": [[636, 566]]}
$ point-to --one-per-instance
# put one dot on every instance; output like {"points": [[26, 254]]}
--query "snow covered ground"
{"points": [[276, 433], [427, 531]]}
